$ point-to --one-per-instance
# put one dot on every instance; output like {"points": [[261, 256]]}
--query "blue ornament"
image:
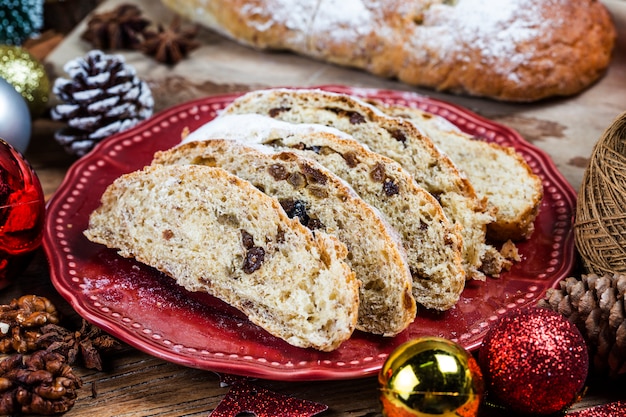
{"points": [[15, 120]]}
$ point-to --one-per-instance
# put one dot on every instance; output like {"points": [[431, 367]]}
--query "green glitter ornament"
{"points": [[20, 20], [27, 75]]}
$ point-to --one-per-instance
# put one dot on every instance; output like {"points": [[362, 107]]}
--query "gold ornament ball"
{"points": [[429, 377], [27, 75]]}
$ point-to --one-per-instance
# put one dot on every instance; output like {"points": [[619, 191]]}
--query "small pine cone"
{"points": [[595, 304], [103, 96]]}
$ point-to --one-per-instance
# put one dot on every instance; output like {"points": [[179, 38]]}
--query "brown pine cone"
{"points": [[38, 384], [120, 28], [21, 322], [103, 96], [595, 304]]}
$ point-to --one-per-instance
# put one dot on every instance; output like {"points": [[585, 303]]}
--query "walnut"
{"points": [[41, 383], [30, 323], [21, 322]]}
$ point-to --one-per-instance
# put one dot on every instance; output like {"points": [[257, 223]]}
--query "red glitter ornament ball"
{"points": [[534, 361]]}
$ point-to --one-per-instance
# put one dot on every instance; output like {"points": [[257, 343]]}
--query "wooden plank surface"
{"points": [[136, 384]]}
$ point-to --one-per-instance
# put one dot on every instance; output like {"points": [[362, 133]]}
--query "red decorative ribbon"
{"points": [[245, 397], [607, 410]]}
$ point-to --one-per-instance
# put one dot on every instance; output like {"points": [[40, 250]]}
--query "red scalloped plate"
{"points": [[148, 311]]}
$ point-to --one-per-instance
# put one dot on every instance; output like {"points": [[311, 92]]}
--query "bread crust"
{"points": [[498, 173], [515, 50]]}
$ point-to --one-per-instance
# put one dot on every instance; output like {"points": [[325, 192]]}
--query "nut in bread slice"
{"points": [[216, 233]]}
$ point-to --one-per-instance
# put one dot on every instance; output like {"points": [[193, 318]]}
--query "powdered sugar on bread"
{"points": [[517, 50]]}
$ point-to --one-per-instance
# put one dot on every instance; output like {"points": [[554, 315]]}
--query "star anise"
{"points": [[120, 28], [86, 343], [171, 44]]}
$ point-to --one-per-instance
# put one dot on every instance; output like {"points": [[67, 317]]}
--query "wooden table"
{"points": [[136, 384]]}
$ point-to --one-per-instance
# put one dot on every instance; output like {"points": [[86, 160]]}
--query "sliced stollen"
{"points": [[498, 173], [432, 244], [397, 139], [215, 233], [322, 201]]}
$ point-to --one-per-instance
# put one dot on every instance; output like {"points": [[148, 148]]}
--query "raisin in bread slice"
{"points": [[397, 139], [432, 244], [322, 201], [215, 233], [498, 173]]}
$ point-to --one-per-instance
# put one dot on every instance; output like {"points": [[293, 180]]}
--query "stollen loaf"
{"points": [[432, 243], [397, 139], [322, 201], [498, 173], [214, 232], [513, 50]]}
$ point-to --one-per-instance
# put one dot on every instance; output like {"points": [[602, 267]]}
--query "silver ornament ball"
{"points": [[15, 120]]}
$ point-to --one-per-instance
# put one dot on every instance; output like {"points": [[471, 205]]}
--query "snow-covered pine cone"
{"points": [[103, 96]]}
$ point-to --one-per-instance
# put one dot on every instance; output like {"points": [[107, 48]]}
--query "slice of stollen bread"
{"points": [[432, 244], [216, 233], [498, 173], [395, 138], [322, 201]]}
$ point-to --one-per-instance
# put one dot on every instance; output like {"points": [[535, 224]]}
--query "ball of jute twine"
{"points": [[600, 226]]}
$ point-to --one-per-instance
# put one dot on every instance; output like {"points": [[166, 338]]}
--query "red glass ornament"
{"points": [[534, 362], [22, 212]]}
